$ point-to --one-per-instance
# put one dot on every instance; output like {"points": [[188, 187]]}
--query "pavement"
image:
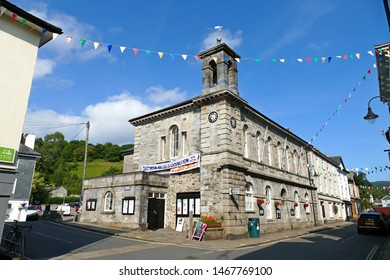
{"points": [[172, 237]]}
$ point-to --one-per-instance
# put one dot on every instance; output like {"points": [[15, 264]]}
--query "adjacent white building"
{"points": [[21, 35]]}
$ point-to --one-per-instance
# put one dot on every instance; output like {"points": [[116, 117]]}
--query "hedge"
{"points": [[60, 200]]}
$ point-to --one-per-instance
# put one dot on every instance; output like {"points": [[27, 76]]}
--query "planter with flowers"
{"points": [[210, 221], [296, 204], [277, 204], [260, 201], [307, 208]]}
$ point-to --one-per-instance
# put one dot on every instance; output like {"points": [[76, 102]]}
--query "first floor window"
{"points": [[128, 206]]}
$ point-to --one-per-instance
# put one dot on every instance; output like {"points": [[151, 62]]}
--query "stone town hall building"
{"points": [[211, 155]]}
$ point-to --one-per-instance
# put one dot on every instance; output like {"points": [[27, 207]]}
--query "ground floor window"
{"points": [[128, 204], [108, 201], [187, 202]]}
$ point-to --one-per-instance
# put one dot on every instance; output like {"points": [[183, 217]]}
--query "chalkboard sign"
{"points": [[199, 230]]}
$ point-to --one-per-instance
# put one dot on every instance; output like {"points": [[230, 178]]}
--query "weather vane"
{"points": [[219, 39]]}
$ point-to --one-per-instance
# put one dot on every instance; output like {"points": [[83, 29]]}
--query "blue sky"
{"points": [[75, 83]]}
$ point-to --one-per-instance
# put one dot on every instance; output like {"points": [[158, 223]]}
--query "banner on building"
{"points": [[181, 163]]}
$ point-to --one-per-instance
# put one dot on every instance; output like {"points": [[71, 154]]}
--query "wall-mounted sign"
{"points": [[234, 191], [278, 214], [261, 211], [7, 155]]}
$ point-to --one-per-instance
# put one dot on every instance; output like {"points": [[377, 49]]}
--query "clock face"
{"points": [[213, 116], [233, 122]]}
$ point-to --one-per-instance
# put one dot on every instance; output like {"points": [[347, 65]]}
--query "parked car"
{"points": [[373, 222], [76, 206], [33, 212]]}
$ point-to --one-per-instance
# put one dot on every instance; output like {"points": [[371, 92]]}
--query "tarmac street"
{"points": [[80, 241], [166, 237]]}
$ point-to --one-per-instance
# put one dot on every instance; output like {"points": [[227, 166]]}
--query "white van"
{"points": [[65, 208]]}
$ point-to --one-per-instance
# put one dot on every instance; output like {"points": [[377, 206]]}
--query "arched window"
{"points": [[296, 205], [258, 145], [307, 203], [174, 138], [108, 201], [269, 151], [287, 158], [283, 196], [231, 74], [280, 155], [295, 161], [246, 141], [268, 202], [214, 78], [249, 197]]}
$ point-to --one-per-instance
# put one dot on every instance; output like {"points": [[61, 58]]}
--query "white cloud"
{"points": [[108, 119], [44, 67], [232, 39], [159, 95]]}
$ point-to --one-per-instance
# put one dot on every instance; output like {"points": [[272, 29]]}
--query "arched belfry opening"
{"points": [[219, 69], [213, 73]]}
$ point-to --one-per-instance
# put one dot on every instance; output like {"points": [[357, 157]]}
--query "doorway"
{"points": [[156, 213]]}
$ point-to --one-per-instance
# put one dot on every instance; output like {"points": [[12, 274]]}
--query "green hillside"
{"points": [[96, 168], [381, 184]]}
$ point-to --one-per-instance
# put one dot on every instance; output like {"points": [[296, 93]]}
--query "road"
{"points": [[57, 241]]}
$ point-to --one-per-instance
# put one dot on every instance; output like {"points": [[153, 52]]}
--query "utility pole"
{"points": [[85, 159]]}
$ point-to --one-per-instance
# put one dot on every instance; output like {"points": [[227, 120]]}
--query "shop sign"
{"points": [[7, 155]]}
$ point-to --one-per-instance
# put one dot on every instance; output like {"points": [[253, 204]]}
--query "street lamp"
{"points": [[371, 116]]}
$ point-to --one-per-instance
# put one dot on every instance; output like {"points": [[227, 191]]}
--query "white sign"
{"points": [[234, 191]]}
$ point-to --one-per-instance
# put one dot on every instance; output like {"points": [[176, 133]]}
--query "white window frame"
{"points": [[108, 202], [268, 202], [174, 139], [249, 205]]}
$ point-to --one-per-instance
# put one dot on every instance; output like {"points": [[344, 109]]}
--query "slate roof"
{"points": [[24, 150]]}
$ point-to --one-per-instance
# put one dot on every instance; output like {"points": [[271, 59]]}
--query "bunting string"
{"points": [[122, 48], [327, 170], [161, 54], [340, 106], [371, 170]]}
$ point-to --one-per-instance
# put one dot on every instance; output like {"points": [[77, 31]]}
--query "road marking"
{"points": [[107, 252], [372, 252], [48, 236]]}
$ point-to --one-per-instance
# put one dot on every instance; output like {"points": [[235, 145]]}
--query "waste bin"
{"points": [[254, 227]]}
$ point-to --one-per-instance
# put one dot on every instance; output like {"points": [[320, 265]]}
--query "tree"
{"points": [[40, 188]]}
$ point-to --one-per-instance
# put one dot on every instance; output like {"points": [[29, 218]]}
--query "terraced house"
{"points": [[212, 155]]}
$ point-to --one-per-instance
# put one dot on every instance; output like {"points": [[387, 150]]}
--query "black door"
{"points": [[156, 212]]}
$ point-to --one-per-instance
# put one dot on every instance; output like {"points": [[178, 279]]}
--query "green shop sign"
{"points": [[7, 155]]}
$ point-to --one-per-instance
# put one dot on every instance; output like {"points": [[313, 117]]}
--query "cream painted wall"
{"points": [[18, 54]]}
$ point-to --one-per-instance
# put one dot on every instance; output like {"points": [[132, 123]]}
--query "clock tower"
{"points": [[219, 69]]}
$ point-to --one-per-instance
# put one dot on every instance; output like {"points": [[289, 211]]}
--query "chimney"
{"points": [[30, 141]]}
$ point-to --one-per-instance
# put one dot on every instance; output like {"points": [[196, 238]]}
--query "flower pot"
{"points": [[214, 224]]}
